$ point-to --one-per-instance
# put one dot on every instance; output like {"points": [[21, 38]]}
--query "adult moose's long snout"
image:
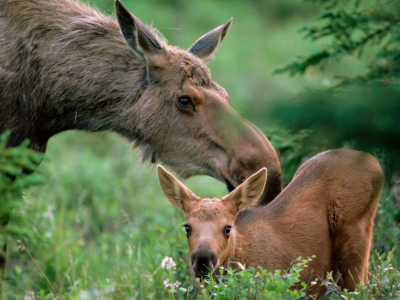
{"points": [[253, 153], [249, 151], [204, 261]]}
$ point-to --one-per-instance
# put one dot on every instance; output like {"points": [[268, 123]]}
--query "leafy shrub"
{"points": [[258, 283], [15, 163], [293, 148], [351, 27], [363, 109], [387, 231]]}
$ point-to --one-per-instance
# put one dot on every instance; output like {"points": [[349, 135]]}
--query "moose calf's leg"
{"points": [[352, 246], [353, 235]]}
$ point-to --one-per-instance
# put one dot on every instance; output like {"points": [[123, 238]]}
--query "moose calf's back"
{"points": [[327, 210]]}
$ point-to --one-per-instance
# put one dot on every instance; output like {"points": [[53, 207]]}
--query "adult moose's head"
{"points": [[184, 117], [77, 71]]}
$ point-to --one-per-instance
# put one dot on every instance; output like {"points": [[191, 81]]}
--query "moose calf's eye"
{"points": [[227, 230], [185, 102], [187, 229]]}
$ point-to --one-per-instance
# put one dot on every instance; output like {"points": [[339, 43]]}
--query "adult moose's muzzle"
{"points": [[248, 150]]}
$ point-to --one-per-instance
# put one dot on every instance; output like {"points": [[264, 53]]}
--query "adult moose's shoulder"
{"points": [[64, 65]]}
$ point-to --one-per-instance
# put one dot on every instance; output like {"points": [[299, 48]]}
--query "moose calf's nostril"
{"points": [[203, 262]]}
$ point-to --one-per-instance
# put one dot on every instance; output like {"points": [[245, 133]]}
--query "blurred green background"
{"points": [[103, 222]]}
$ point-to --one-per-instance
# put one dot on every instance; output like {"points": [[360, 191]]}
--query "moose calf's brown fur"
{"points": [[64, 65], [327, 210]]}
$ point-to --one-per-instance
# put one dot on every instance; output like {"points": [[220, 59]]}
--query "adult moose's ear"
{"points": [[246, 194], [175, 191], [139, 37], [206, 46]]}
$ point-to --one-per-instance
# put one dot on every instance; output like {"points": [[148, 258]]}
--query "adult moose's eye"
{"points": [[187, 229], [186, 102], [228, 230]]}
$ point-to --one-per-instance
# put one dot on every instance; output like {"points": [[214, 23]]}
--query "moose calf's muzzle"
{"points": [[204, 260]]}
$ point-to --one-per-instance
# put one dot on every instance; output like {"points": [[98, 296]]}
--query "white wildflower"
{"points": [[30, 295], [176, 284], [354, 293], [167, 284], [170, 287], [168, 263], [313, 282]]}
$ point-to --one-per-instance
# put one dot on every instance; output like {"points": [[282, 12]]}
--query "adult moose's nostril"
{"points": [[229, 185], [249, 160]]}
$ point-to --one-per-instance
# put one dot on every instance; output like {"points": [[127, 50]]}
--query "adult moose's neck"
{"points": [[99, 77]]}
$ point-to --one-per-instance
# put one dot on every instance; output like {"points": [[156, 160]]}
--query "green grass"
{"points": [[104, 228], [105, 224]]}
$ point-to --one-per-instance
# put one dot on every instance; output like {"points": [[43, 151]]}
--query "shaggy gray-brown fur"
{"points": [[64, 65]]}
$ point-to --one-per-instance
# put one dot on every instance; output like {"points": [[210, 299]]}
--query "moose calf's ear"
{"points": [[246, 194], [139, 37], [206, 46], [175, 191]]}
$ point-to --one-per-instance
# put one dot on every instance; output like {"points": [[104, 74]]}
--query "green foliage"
{"points": [[365, 115], [385, 278], [383, 282], [116, 252], [387, 231], [14, 164], [257, 283], [360, 111], [292, 148], [103, 229], [351, 27]]}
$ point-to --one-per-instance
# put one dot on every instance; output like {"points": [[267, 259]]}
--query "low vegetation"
{"points": [[92, 239]]}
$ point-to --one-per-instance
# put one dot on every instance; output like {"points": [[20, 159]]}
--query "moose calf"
{"points": [[327, 210]]}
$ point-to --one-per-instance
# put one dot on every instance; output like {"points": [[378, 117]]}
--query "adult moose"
{"points": [[327, 210], [64, 65]]}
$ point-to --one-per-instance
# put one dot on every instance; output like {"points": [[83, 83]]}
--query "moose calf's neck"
{"points": [[64, 65]]}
